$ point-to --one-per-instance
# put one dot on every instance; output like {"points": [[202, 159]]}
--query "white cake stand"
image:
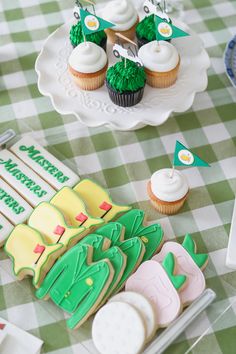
{"points": [[94, 108]]}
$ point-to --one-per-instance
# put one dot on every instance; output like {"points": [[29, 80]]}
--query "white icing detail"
{"points": [[45, 174], [18, 341], [7, 210], [143, 306], [32, 197], [195, 283], [120, 12], [118, 328], [87, 58], [5, 229], [166, 188], [159, 56]]}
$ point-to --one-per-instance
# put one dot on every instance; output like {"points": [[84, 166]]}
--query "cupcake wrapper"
{"points": [[129, 33], [90, 84], [162, 79], [168, 209], [125, 99]]}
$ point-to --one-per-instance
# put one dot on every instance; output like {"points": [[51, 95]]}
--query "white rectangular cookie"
{"points": [[44, 163], [5, 229], [12, 205], [24, 180]]}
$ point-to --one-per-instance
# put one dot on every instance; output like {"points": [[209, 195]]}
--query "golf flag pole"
{"points": [[172, 171]]}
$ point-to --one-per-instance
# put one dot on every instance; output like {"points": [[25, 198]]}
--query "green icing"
{"points": [[114, 254], [11, 167], [146, 28], [10, 202], [168, 264], [126, 79], [151, 236], [132, 248], [76, 35], [76, 286], [38, 157], [199, 258]]}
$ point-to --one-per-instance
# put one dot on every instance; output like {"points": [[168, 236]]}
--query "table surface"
{"points": [[124, 162]]}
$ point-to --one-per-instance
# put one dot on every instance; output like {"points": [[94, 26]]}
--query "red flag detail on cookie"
{"points": [[2, 326], [59, 230], [105, 206], [39, 249], [81, 217]]}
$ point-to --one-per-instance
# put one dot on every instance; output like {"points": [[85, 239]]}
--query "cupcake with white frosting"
{"points": [[88, 65], [125, 17], [167, 190], [161, 62]]}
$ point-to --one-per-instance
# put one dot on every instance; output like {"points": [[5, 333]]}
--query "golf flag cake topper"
{"points": [[165, 30], [92, 23], [184, 157]]}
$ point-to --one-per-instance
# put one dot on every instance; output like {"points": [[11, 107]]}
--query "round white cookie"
{"points": [[118, 328], [143, 306]]}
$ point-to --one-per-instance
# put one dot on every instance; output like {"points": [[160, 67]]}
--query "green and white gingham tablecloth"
{"points": [[124, 161]]}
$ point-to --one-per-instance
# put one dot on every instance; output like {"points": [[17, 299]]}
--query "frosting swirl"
{"points": [[166, 188], [159, 56], [87, 58], [120, 12]]}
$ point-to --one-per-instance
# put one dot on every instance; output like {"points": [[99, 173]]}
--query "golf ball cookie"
{"points": [[143, 306], [118, 328]]}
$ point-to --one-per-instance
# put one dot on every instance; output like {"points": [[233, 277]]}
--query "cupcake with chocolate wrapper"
{"points": [[161, 62], [125, 82], [125, 17], [88, 65], [167, 190]]}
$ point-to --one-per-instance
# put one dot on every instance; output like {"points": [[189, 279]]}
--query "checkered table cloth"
{"points": [[124, 162]]}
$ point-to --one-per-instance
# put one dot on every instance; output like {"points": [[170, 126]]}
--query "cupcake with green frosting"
{"points": [[146, 31], [125, 83], [76, 36]]}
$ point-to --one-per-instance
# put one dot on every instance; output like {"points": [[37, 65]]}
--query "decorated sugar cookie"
{"points": [[23, 179], [12, 205], [133, 248], [30, 254], [189, 264], [144, 307], [102, 250], [76, 285], [98, 201], [152, 236], [50, 222], [44, 164], [5, 229], [118, 328], [73, 208], [159, 284]]}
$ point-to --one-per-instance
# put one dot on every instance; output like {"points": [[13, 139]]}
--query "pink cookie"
{"points": [[153, 281], [189, 263]]}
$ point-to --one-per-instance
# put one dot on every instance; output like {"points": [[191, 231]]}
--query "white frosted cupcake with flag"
{"points": [[160, 58], [124, 16], [168, 188]]}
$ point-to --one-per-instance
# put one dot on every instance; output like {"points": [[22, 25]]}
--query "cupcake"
{"points": [[76, 36], [167, 193], [125, 84], [146, 31], [88, 65], [161, 62], [124, 16]]}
